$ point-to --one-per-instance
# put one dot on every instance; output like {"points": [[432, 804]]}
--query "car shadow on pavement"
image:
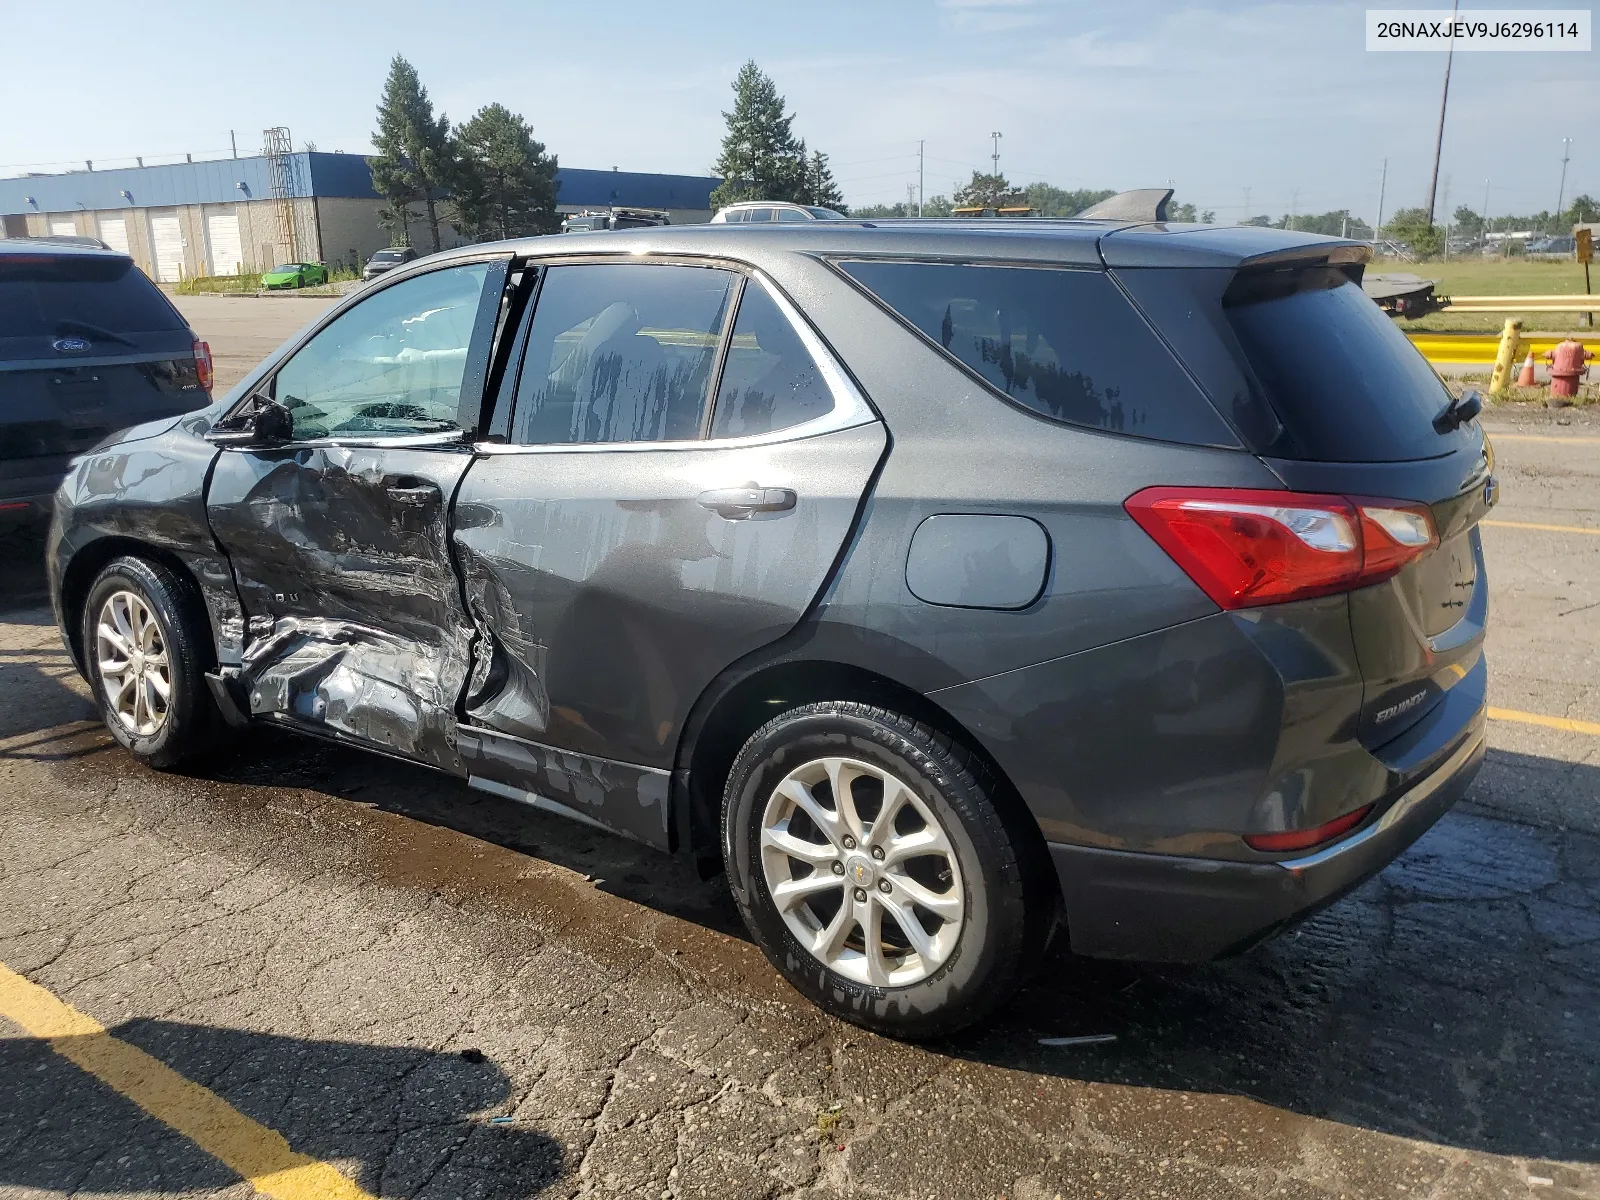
{"points": [[401, 1120], [1454, 999]]}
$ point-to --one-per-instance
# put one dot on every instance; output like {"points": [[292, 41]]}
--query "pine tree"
{"points": [[820, 189], [760, 160], [413, 163], [505, 183]]}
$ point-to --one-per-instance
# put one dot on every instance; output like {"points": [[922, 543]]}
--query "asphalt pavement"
{"points": [[303, 971]]}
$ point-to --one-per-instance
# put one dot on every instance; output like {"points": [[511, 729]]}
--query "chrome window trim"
{"points": [[850, 408], [397, 441]]}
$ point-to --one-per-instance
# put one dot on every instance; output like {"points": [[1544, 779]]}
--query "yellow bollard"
{"points": [[1506, 360]]}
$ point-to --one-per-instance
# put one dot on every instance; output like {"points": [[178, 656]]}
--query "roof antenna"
{"points": [[1141, 204]]}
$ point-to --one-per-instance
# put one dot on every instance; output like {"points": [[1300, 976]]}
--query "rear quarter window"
{"points": [[1063, 343]]}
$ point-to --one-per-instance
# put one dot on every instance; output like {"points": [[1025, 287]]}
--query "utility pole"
{"points": [[995, 157], [1383, 184], [1566, 147], [1438, 142], [234, 142], [1444, 203], [1485, 212], [920, 164]]}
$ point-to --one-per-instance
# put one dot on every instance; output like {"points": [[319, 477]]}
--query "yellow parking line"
{"points": [[1541, 437], [259, 1154], [1566, 724], [1546, 528]]}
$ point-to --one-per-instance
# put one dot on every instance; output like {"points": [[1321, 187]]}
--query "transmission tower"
{"points": [[283, 170]]}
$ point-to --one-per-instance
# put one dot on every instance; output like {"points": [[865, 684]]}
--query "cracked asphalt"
{"points": [[443, 994]]}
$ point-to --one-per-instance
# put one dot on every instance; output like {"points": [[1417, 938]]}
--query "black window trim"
{"points": [[850, 405], [836, 261], [477, 360]]}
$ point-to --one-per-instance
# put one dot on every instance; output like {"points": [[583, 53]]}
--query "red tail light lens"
{"points": [[1247, 548], [1304, 839], [202, 363]]}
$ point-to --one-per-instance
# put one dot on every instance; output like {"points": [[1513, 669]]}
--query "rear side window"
{"points": [[620, 352], [1344, 381], [93, 297], [1064, 343], [770, 381]]}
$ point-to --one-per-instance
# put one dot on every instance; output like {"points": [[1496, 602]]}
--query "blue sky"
{"points": [[1280, 99]]}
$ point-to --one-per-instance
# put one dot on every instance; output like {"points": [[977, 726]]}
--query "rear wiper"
{"points": [[1459, 411], [68, 325]]}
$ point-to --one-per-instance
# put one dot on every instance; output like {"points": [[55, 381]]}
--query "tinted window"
{"points": [[1345, 382], [620, 352], [770, 380], [393, 364], [790, 216], [757, 214], [1064, 343], [90, 297]]}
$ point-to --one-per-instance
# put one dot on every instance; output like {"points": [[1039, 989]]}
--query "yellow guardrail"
{"points": [[1482, 347], [1523, 304]]}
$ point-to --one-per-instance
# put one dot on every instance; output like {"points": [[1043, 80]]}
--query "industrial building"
{"points": [[223, 216]]}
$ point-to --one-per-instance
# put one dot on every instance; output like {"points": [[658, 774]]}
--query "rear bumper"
{"points": [[1163, 908], [31, 509]]}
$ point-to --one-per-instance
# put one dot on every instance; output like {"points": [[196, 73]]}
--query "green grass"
{"points": [[1497, 277]]}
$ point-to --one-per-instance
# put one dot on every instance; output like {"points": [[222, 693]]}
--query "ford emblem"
{"points": [[71, 345]]}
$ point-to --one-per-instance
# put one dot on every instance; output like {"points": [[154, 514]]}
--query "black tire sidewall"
{"points": [[985, 964], [188, 707]]}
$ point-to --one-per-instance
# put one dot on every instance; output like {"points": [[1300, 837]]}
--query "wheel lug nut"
{"points": [[838, 868], [883, 885], [861, 895], [849, 842], [877, 852]]}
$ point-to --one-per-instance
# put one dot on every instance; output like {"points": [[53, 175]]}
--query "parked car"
{"points": [[615, 218], [700, 537], [88, 346], [387, 260], [761, 212], [295, 275]]}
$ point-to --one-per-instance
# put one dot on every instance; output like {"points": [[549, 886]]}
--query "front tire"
{"points": [[870, 860], [145, 650]]}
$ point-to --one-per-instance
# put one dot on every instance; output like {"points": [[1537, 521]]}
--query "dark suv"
{"points": [[88, 346], [951, 583]]}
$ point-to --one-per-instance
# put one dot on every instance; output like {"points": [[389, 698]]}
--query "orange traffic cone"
{"points": [[1526, 378]]}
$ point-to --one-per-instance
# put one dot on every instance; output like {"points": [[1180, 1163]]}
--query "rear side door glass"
{"points": [[770, 381], [621, 352], [392, 365], [1063, 343]]}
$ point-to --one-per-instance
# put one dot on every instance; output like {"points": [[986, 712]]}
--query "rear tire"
{"points": [[145, 651], [921, 852]]}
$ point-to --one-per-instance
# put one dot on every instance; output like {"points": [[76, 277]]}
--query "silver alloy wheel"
{"points": [[862, 872], [134, 669]]}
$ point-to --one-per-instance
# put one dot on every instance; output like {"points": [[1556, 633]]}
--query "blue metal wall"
{"points": [[225, 180]]}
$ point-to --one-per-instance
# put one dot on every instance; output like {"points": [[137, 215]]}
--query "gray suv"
{"points": [[952, 584]]}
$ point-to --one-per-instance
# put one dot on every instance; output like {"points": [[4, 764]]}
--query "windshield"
{"points": [[388, 255], [281, 267]]}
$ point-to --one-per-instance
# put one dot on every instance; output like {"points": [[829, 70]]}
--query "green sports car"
{"points": [[295, 275]]}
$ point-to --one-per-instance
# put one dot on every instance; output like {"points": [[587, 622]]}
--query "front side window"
{"points": [[1065, 343], [393, 364], [770, 381], [620, 352]]}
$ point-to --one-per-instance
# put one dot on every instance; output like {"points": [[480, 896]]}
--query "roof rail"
{"points": [[1141, 204]]}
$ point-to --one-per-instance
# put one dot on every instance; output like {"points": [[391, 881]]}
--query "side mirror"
{"points": [[265, 423]]}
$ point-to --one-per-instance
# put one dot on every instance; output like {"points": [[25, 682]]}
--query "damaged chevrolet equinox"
{"points": [[954, 585]]}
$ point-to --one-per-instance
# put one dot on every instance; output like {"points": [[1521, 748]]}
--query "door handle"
{"points": [[408, 489], [737, 503]]}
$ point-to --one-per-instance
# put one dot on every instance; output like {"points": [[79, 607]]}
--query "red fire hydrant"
{"points": [[1568, 364]]}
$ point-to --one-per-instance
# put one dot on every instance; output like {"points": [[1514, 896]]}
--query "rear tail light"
{"points": [[202, 364], [1247, 548], [1304, 839]]}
